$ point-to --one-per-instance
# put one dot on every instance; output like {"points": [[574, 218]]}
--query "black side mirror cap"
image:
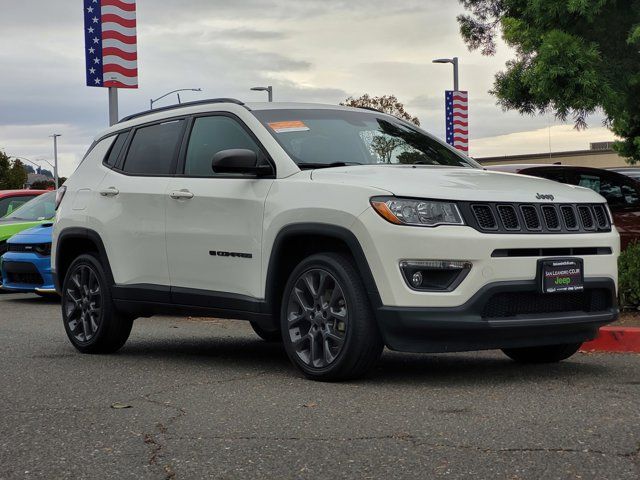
{"points": [[239, 160]]}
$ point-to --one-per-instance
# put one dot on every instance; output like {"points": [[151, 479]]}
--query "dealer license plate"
{"points": [[561, 275]]}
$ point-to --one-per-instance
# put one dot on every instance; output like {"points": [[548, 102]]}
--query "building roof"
{"points": [[547, 155]]}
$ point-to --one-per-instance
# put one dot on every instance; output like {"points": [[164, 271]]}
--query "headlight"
{"points": [[425, 213], [43, 249]]}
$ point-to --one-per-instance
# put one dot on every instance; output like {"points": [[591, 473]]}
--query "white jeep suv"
{"points": [[334, 230]]}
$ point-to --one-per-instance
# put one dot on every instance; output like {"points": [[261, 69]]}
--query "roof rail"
{"points": [[181, 105]]}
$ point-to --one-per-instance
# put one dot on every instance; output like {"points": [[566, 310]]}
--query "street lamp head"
{"points": [[260, 89], [443, 60]]}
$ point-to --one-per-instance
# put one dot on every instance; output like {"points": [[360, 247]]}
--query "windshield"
{"points": [[317, 138], [40, 208]]}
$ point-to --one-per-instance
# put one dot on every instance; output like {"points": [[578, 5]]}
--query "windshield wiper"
{"points": [[305, 165]]}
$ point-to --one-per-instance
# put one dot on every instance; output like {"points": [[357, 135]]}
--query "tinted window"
{"points": [[8, 205], [114, 153], [40, 208], [619, 192], [211, 135], [154, 149]]}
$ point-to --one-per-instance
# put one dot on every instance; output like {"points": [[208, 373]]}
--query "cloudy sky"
{"points": [[309, 50]]}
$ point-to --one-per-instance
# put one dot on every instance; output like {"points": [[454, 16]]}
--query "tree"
{"points": [[386, 103], [572, 57], [12, 173]]}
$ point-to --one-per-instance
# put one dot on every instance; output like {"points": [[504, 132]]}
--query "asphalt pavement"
{"points": [[206, 398]]}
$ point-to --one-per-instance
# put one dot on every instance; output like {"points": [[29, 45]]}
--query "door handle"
{"points": [[109, 192], [181, 195]]}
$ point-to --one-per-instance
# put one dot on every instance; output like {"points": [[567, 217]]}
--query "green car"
{"points": [[40, 210]]}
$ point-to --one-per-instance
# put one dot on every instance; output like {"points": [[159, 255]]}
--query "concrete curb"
{"points": [[615, 339]]}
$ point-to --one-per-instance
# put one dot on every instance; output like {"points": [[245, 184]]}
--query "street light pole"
{"points": [[268, 89], [55, 156], [152, 101], [454, 62]]}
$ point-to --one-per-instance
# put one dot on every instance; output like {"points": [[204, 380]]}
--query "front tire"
{"points": [[544, 354], [90, 319], [328, 327]]}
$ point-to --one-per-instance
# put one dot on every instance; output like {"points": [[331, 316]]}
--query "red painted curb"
{"points": [[615, 339]]}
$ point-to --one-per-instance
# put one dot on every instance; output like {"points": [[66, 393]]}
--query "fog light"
{"points": [[434, 275]]}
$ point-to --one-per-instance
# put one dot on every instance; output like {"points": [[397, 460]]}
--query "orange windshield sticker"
{"points": [[291, 126]]}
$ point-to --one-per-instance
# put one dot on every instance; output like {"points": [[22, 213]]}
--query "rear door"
{"points": [[214, 221], [131, 204]]}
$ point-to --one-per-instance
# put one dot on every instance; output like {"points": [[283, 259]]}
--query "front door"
{"points": [[214, 221]]}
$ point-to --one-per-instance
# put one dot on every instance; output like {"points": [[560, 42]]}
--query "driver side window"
{"points": [[211, 135]]}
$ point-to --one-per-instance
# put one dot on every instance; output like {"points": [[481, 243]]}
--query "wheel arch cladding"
{"points": [[73, 242], [297, 241]]}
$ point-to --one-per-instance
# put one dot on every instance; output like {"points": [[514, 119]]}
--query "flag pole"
{"points": [[113, 105]]}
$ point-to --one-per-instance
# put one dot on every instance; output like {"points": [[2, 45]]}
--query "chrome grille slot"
{"points": [[551, 219]]}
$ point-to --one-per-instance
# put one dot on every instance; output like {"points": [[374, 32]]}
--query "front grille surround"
{"points": [[535, 218]]}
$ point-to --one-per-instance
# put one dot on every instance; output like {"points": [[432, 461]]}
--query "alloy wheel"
{"points": [[83, 303], [317, 318]]}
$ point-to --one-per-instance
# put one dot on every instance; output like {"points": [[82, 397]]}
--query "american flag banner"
{"points": [[457, 108], [110, 43]]}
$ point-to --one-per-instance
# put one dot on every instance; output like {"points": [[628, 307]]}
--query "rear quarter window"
{"points": [[154, 149]]}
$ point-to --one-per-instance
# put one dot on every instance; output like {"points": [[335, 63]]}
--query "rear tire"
{"points": [[267, 335], [90, 319], [328, 327], [544, 354]]}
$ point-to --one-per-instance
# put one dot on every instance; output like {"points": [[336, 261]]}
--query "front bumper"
{"points": [[471, 326], [26, 272]]}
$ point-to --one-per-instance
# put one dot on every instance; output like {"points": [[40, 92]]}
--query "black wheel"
{"points": [[544, 354], [90, 319], [267, 335], [329, 331]]}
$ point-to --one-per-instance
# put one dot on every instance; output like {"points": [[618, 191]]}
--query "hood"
{"points": [[452, 183], [39, 234]]}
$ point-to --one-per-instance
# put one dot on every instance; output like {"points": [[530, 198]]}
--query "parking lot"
{"points": [[205, 398]]}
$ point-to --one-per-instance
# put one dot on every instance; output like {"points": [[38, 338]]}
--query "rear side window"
{"points": [[154, 149], [619, 192], [114, 153], [211, 135]]}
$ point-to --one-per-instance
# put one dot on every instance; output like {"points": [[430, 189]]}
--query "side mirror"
{"points": [[239, 160]]}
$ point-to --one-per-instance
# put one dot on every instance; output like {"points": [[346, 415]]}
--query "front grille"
{"points": [[511, 304], [531, 218], [23, 273], [551, 252], [551, 219], [508, 217], [485, 217], [586, 217], [569, 217], [602, 219], [536, 217], [25, 278], [39, 248]]}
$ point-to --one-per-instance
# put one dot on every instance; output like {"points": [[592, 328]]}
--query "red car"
{"points": [[12, 199], [621, 192]]}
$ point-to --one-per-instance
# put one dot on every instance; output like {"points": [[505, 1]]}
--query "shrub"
{"points": [[629, 276]]}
